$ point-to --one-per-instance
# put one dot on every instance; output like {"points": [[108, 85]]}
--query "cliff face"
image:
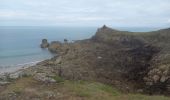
{"points": [[158, 76], [119, 58], [149, 52]]}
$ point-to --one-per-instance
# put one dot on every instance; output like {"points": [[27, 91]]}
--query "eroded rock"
{"points": [[44, 78], [44, 43]]}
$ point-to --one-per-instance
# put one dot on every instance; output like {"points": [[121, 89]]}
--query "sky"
{"points": [[116, 13]]}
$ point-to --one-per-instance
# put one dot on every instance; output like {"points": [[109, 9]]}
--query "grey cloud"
{"points": [[96, 12]]}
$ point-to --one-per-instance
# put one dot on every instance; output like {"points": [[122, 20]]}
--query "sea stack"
{"points": [[44, 43]]}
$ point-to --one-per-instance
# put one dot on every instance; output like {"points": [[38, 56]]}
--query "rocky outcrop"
{"points": [[44, 78], [110, 57], [129, 58], [44, 43], [158, 78], [54, 46], [128, 61]]}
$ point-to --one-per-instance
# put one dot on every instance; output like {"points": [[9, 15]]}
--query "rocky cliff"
{"points": [[127, 60]]}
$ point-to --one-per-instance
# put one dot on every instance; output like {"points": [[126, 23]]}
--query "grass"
{"points": [[58, 79], [140, 97], [90, 89], [71, 90], [98, 91], [19, 85]]}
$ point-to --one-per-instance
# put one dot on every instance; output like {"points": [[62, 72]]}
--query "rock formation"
{"points": [[65, 41], [54, 46], [125, 58], [44, 43]]}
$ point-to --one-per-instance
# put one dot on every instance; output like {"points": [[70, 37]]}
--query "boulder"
{"points": [[156, 78], [44, 78], [44, 43]]}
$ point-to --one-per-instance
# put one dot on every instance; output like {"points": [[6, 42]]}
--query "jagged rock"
{"points": [[44, 78], [44, 43]]}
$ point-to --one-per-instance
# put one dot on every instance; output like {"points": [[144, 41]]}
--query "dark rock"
{"points": [[65, 41], [44, 43]]}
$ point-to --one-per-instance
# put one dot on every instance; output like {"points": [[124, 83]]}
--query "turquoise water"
{"points": [[20, 45]]}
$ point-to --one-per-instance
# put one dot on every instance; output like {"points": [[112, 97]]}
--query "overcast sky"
{"points": [[119, 13]]}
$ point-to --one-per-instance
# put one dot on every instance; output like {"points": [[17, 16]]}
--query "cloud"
{"points": [[168, 21], [85, 12]]}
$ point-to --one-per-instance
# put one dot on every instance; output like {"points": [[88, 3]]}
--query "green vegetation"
{"points": [[19, 85], [58, 79], [27, 87], [89, 89]]}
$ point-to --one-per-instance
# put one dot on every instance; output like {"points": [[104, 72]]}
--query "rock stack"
{"points": [[44, 43]]}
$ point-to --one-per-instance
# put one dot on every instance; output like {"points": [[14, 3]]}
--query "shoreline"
{"points": [[8, 69], [18, 67]]}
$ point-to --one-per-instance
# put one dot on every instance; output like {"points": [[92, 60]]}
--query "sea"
{"points": [[20, 45]]}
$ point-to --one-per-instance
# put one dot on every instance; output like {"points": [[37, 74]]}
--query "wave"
{"points": [[21, 65], [14, 68], [30, 63]]}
